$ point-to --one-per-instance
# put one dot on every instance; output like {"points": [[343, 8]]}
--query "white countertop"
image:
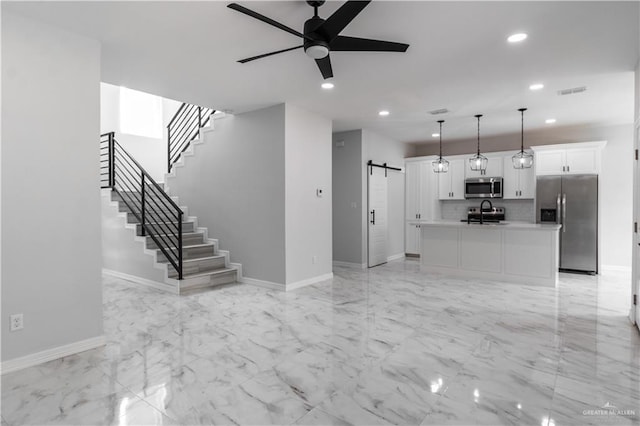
{"points": [[501, 225]]}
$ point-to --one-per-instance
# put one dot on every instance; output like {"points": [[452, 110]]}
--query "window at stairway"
{"points": [[140, 113]]}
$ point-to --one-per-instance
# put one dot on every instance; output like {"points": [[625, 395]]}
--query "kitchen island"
{"points": [[509, 251]]}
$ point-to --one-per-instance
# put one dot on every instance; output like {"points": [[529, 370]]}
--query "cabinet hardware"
{"points": [[563, 167], [635, 227], [568, 168], [373, 217]]}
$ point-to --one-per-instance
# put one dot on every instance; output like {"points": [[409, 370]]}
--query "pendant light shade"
{"points": [[522, 159], [478, 162], [440, 165]]}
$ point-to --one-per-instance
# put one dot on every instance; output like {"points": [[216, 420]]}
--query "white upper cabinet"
{"points": [[413, 186], [420, 190], [571, 159], [494, 168], [451, 184], [518, 183]]}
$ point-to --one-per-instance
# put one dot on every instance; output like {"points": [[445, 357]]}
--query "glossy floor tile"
{"points": [[390, 345]]}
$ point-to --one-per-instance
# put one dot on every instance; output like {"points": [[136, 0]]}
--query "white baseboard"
{"points": [[51, 354], [616, 268], [395, 257], [350, 265], [261, 283], [142, 281], [309, 281]]}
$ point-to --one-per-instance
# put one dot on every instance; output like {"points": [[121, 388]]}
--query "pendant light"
{"points": [[478, 162], [522, 159], [440, 165]]}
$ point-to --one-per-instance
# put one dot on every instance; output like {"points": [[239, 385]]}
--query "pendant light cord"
{"points": [[440, 121], [522, 110], [478, 117]]}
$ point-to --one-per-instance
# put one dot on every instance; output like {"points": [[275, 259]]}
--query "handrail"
{"points": [[144, 197], [184, 128]]}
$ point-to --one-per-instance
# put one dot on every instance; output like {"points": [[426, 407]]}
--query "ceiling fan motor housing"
{"points": [[315, 48]]}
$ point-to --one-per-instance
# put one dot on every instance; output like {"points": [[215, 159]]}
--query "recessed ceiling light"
{"points": [[327, 85], [536, 86], [435, 135], [383, 113], [515, 38], [550, 120]]}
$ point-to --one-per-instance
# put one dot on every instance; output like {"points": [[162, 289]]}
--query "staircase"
{"points": [[183, 251]]}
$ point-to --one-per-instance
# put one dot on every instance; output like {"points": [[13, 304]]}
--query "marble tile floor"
{"points": [[390, 345]]}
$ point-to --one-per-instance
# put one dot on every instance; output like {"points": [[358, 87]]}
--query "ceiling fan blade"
{"points": [[256, 15], [325, 67], [356, 44], [253, 58], [341, 18]]}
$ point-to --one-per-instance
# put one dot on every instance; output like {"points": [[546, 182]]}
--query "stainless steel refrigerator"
{"points": [[571, 201]]}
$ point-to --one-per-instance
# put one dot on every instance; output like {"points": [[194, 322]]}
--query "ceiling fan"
{"points": [[322, 36]]}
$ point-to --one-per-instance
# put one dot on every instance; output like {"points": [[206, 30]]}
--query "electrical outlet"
{"points": [[17, 322]]}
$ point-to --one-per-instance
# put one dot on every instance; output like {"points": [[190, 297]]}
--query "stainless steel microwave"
{"points": [[484, 187]]}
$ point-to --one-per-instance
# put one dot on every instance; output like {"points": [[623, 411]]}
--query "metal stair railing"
{"points": [[183, 128], [159, 216]]}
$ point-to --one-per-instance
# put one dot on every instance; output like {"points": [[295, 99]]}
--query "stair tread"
{"points": [[215, 256], [192, 246], [184, 234]]}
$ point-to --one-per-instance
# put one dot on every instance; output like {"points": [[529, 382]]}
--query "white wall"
{"points": [[151, 153], [51, 248], [616, 179], [348, 208], [308, 217], [253, 184], [381, 150], [121, 252], [235, 184], [350, 234]]}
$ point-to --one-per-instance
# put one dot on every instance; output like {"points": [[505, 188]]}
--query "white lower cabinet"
{"points": [[412, 239]]}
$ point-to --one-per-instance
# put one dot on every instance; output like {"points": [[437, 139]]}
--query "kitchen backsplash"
{"points": [[515, 210]]}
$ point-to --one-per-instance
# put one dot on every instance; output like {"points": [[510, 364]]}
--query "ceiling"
{"points": [[458, 59]]}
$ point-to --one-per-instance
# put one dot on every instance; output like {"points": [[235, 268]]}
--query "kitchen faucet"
{"points": [[482, 208]]}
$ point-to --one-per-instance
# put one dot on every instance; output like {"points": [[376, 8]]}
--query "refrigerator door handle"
{"points": [[564, 213], [558, 210]]}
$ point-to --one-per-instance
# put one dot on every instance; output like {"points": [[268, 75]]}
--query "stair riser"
{"points": [[186, 227], [206, 265], [191, 253], [187, 240]]}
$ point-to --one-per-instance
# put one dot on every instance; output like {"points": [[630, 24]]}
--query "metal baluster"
{"points": [[169, 148], [142, 208], [199, 117], [180, 245], [112, 168]]}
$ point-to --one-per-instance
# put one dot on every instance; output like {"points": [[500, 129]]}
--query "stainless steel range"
{"points": [[491, 215]]}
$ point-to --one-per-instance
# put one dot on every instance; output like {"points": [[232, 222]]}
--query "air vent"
{"points": [[439, 111], [572, 91]]}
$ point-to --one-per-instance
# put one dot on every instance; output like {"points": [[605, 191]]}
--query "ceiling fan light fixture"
{"points": [[327, 85], [317, 51]]}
